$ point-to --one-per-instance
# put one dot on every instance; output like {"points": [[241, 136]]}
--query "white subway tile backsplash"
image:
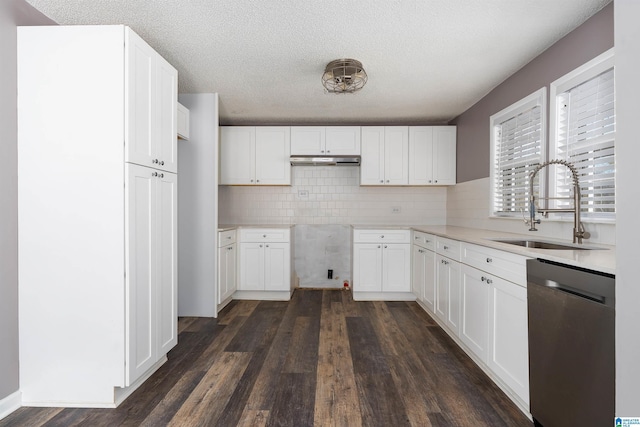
{"points": [[334, 196]]}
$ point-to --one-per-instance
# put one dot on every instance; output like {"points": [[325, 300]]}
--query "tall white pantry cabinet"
{"points": [[97, 188]]}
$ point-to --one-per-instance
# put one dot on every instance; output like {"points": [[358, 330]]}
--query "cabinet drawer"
{"points": [[264, 234], [382, 236], [447, 247], [424, 240], [511, 267], [226, 237]]}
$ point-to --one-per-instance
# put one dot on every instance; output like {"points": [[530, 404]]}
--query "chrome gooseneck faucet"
{"points": [[579, 232]]}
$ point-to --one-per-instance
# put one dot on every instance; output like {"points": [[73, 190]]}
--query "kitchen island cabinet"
{"points": [[97, 219]]}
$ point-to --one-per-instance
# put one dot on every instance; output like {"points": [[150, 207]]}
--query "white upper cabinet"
{"points": [[183, 122], [151, 88], [255, 155], [432, 155], [329, 140], [385, 155]]}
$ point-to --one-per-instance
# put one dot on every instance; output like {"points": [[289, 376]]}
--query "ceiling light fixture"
{"points": [[344, 76]]}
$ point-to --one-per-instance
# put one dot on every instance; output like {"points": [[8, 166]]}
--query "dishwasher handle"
{"points": [[573, 291]]}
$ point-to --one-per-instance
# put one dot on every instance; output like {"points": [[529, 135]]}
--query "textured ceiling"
{"points": [[427, 60]]}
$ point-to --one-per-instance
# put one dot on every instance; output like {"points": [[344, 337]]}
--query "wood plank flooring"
{"points": [[321, 359]]}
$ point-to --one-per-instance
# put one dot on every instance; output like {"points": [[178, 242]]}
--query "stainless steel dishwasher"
{"points": [[571, 345]]}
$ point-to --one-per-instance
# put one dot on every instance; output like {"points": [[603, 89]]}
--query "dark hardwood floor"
{"points": [[321, 359]]}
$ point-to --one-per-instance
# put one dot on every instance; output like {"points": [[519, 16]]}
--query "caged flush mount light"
{"points": [[344, 76]]}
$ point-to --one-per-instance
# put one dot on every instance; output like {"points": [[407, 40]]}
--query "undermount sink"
{"points": [[539, 244]]}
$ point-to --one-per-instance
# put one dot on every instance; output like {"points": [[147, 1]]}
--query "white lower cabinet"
{"points": [[508, 355], [474, 325], [481, 301], [448, 292], [264, 266], [227, 266], [382, 264]]}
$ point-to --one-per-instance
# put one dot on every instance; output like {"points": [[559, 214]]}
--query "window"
{"points": [[582, 120], [517, 147]]}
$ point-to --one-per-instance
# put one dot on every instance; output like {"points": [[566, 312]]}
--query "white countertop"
{"points": [[603, 260]]}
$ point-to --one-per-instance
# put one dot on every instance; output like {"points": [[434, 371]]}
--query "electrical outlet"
{"points": [[396, 209], [303, 194]]}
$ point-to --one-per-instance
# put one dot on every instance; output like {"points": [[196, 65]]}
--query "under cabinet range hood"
{"points": [[325, 160]]}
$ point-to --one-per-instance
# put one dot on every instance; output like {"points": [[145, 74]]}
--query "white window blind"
{"points": [[517, 149], [585, 137]]}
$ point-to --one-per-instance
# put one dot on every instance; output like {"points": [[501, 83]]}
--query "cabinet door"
{"points": [[420, 155], [342, 140], [372, 157], [367, 267], [396, 155], [396, 267], [306, 140], [251, 267], [508, 355], [448, 292], [166, 116], [167, 255], [226, 272], [429, 298], [141, 271], [237, 155], [273, 148], [417, 271], [140, 90], [444, 155], [277, 271], [474, 324]]}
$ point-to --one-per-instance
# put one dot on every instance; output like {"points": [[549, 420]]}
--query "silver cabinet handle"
{"points": [[489, 260]]}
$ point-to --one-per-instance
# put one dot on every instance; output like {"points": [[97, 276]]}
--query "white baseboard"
{"points": [[263, 295], [10, 403], [383, 296]]}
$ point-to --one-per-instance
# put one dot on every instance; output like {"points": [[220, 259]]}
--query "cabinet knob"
{"points": [[382, 237], [483, 278], [489, 260], [387, 181], [257, 180], [379, 246], [328, 151], [381, 181], [228, 237], [322, 151], [162, 163], [161, 175], [426, 241], [385, 246], [154, 174], [489, 281], [155, 161], [260, 245], [267, 246], [429, 181], [446, 248], [264, 235], [435, 181], [251, 180]]}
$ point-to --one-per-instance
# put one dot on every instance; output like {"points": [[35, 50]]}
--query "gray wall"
{"points": [[584, 43], [628, 205], [198, 208], [12, 13]]}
